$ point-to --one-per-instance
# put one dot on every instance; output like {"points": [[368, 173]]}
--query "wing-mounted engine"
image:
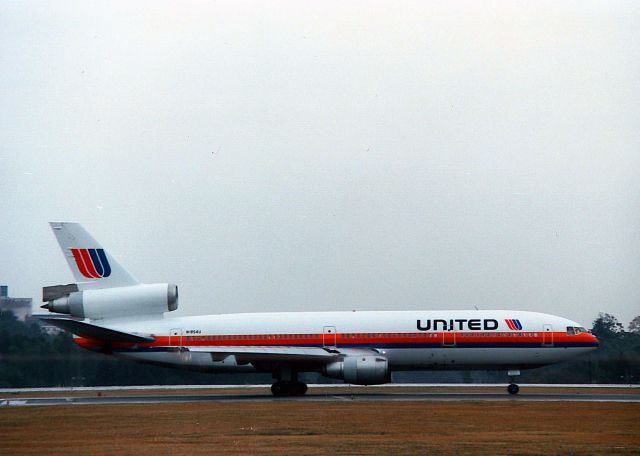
{"points": [[142, 299], [360, 370]]}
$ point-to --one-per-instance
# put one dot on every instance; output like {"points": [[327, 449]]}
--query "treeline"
{"points": [[31, 358]]}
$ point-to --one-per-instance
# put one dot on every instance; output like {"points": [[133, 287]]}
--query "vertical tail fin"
{"points": [[92, 266]]}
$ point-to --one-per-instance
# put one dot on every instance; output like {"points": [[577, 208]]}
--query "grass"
{"points": [[315, 428]]}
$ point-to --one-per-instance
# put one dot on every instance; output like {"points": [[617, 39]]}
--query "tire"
{"points": [[513, 389], [299, 388], [278, 389], [286, 388]]}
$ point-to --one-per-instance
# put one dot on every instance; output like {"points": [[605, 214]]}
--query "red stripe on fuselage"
{"points": [[442, 338]]}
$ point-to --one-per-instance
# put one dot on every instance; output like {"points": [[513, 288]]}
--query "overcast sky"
{"points": [[271, 156]]}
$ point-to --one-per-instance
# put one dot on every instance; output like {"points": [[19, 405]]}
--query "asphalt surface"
{"points": [[381, 397]]}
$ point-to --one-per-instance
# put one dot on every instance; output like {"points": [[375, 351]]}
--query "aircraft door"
{"points": [[449, 339], [175, 338], [547, 336], [329, 337]]}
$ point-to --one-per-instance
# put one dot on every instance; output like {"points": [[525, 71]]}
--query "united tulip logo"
{"points": [[92, 263], [514, 324]]}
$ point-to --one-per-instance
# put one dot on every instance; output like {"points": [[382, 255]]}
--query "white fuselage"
{"points": [[410, 340]]}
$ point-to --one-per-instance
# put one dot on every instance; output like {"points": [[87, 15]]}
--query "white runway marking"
{"points": [[380, 397]]}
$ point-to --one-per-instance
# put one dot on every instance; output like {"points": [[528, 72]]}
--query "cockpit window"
{"points": [[571, 330]]}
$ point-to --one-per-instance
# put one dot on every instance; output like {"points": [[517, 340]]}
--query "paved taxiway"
{"points": [[381, 397]]}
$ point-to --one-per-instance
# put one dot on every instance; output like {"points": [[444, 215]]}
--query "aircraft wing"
{"points": [[278, 353]]}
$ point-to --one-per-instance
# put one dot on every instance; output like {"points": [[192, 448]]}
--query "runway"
{"points": [[378, 397]]}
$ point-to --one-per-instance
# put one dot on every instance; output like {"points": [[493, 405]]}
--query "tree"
{"points": [[606, 326], [634, 326]]}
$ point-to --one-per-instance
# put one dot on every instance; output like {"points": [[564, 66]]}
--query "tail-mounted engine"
{"points": [[143, 299], [360, 370]]}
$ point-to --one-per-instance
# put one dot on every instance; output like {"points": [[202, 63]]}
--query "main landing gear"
{"points": [[287, 383], [513, 388], [288, 388]]}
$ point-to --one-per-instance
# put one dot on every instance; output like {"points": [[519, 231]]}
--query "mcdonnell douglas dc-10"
{"points": [[110, 312]]}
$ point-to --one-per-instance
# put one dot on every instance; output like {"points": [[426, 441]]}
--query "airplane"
{"points": [[109, 311]]}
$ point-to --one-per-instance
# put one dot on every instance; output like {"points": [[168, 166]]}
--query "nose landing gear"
{"points": [[513, 388]]}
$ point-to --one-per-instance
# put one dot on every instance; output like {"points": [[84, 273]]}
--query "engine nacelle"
{"points": [[360, 370], [143, 299]]}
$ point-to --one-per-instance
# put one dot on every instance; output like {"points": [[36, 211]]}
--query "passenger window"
{"points": [[571, 330]]}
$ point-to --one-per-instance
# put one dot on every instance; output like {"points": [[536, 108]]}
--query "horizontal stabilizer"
{"points": [[82, 329], [58, 291]]}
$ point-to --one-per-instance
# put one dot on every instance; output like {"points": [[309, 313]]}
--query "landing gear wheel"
{"points": [[299, 388], [277, 389], [288, 388], [513, 388]]}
